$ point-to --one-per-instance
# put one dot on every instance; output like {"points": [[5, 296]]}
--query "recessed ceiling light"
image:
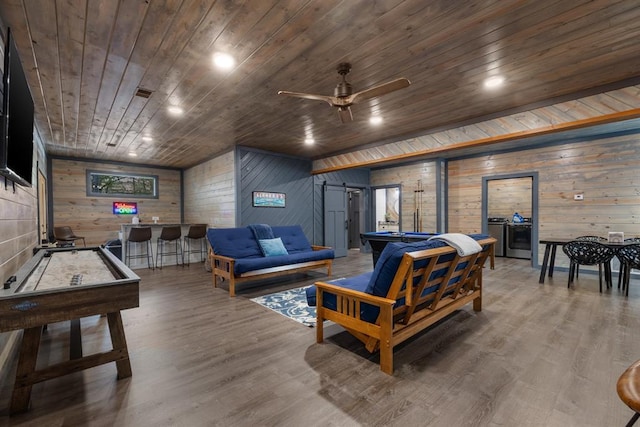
{"points": [[375, 120], [132, 154], [309, 141], [147, 138], [223, 61], [175, 110], [493, 82]]}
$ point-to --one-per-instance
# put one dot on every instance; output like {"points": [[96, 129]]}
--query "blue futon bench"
{"points": [[412, 286], [237, 257]]}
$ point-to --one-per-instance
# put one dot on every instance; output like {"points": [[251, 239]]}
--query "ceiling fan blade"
{"points": [[379, 90], [325, 98], [345, 114]]}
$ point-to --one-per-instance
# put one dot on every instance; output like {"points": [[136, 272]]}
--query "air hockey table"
{"points": [[59, 285], [379, 239]]}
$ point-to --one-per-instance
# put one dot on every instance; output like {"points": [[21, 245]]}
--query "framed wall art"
{"points": [[110, 184], [268, 199]]}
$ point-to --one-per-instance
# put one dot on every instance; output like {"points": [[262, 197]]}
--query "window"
{"points": [[109, 184]]}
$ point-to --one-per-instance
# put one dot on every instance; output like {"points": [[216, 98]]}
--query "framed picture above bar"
{"points": [[110, 184], [268, 199]]}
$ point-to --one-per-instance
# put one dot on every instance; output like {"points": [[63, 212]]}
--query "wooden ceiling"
{"points": [[86, 59]]}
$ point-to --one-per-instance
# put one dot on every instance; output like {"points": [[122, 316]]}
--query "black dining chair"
{"points": [[584, 252], [592, 239], [622, 272], [629, 256]]}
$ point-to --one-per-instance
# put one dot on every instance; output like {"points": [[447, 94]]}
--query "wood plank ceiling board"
{"points": [[86, 60]]}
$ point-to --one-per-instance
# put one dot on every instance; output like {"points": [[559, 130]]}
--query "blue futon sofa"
{"points": [[237, 256], [413, 285]]}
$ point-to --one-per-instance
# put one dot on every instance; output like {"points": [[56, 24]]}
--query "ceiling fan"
{"points": [[343, 97]]}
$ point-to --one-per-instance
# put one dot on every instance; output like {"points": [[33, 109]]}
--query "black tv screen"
{"points": [[16, 124]]}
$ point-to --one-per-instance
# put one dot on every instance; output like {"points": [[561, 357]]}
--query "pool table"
{"points": [[379, 239]]}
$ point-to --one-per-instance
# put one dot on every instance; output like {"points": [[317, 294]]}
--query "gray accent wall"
{"points": [[262, 171]]}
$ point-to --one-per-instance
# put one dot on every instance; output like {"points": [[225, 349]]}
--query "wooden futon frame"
{"points": [[222, 268], [413, 311]]}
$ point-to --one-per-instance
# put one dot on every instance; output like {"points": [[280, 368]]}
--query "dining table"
{"points": [[550, 249]]}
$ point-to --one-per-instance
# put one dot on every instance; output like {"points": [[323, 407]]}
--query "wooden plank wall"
{"points": [[508, 196], [209, 192], [606, 171], [18, 228], [18, 237], [92, 217], [408, 177]]}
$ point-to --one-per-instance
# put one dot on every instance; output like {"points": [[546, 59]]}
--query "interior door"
{"points": [[42, 208], [336, 222]]}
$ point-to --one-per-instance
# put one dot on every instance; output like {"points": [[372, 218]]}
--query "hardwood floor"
{"points": [[537, 355]]}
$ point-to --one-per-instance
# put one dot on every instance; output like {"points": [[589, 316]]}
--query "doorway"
{"points": [[504, 196], [387, 208], [345, 215]]}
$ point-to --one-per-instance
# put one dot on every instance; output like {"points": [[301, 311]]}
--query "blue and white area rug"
{"points": [[292, 304]]}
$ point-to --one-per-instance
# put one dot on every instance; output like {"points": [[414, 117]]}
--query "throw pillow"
{"points": [[273, 247]]}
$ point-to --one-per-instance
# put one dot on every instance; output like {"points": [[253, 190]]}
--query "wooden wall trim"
{"points": [[554, 128]]}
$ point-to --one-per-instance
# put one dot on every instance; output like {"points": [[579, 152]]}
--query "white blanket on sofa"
{"points": [[464, 244]]}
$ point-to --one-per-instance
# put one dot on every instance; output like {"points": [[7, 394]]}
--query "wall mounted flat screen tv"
{"points": [[16, 122]]}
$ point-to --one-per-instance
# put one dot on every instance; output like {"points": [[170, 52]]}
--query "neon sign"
{"points": [[125, 208]]}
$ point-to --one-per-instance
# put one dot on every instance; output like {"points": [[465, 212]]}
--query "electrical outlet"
{"points": [[578, 197]]}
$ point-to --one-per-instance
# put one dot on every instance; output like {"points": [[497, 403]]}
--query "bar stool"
{"points": [[139, 235], [196, 232], [628, 388], [169, 234]]}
